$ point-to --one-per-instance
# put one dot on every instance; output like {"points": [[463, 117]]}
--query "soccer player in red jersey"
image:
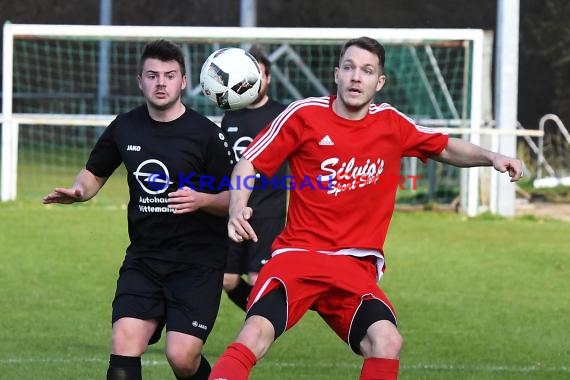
{"points": [[330, 255]]}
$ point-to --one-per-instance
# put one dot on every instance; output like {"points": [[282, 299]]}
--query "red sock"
{"points": [[379, 369], [235, 363]]}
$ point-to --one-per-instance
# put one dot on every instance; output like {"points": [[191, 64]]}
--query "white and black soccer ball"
{"points": [[231, 78]]}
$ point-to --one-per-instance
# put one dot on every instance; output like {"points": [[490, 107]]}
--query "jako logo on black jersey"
{"points": [[134, 148]]}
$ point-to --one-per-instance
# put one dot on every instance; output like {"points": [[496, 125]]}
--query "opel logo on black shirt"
{"points": [[240, 145], [153, 176]]}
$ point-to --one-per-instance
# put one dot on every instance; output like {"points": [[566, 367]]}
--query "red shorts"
{"points": [[332, 285]]}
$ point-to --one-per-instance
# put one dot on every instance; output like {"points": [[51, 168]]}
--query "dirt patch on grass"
{"points": [[560, 211]]}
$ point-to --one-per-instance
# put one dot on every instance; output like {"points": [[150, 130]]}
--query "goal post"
{"points": [[53, 106]]}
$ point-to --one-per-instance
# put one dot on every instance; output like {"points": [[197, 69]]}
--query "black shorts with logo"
{"points": [[184, 297], [249, 256]]}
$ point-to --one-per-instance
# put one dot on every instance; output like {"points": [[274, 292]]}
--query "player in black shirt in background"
{"points": [[172, 273], [268, 202]]}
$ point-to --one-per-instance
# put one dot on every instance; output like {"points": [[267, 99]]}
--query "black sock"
{"points": [[240, 293], [124, 368], [202, 373]]}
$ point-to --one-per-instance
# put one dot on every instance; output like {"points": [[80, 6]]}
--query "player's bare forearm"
{"points": [[463, 154], [239, 228], [85, 187], [241, 188], [188, 200], [217, 204], [90, 183]]}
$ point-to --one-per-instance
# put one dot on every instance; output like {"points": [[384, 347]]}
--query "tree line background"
{"points": [[544, 50]]}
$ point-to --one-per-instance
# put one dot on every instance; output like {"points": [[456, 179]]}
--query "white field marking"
{"points": [[272, 363], [486, 368]]}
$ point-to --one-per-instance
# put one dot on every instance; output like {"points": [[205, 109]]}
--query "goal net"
{"points": [[62, 84]]}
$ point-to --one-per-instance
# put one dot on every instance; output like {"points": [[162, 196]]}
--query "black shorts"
{"points": [[185, 297], [249, 256]]}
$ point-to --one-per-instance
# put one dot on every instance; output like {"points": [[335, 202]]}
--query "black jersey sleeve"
{"points": [[105, 156]]}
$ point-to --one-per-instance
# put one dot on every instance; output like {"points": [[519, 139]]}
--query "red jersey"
{"points": [[344, 172]]}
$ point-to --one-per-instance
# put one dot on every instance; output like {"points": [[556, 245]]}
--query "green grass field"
{"points": [[483, 298]]}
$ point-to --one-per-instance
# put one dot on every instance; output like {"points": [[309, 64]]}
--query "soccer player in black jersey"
{"points": [[172, 274], [268, 201]]}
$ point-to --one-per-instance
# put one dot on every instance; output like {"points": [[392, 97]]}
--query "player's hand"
{"points": [[185, 200], [239, 228], [511, 165], [63, 196]]}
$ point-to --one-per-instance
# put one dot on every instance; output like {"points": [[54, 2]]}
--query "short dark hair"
{"points": [[369, 44], [163, 50], [258, 53]]}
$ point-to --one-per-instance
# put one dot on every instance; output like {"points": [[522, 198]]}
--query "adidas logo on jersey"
{"points": [[326, 141]]}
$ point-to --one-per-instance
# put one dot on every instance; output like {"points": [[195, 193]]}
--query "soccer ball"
{"points": [[231, 78]]}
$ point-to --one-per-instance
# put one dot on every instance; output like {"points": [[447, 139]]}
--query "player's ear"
{"points": [[139, 80], [381, 82], [184, 82], [336, 69]]}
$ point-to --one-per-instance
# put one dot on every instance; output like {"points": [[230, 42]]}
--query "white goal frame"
{"points": [[11, 121]]}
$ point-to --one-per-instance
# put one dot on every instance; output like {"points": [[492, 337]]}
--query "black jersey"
{"points": [[240, 127], [161, 158]]}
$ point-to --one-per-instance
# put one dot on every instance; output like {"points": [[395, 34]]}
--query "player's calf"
{"points": [[124, 368]]}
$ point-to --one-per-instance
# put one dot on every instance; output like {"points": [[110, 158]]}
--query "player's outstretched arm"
{"points": [[85, 187], [239, 228], [463, 154]]}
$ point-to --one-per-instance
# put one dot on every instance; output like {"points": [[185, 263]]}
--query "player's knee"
{"points": [[183, 361], [131, 336], [382, 340], [231, 280], [374, 332], [257, 334], [127, 344]]}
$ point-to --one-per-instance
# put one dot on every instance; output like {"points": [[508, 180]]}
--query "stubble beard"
{"points": [[354, 105], [163, 106]]}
